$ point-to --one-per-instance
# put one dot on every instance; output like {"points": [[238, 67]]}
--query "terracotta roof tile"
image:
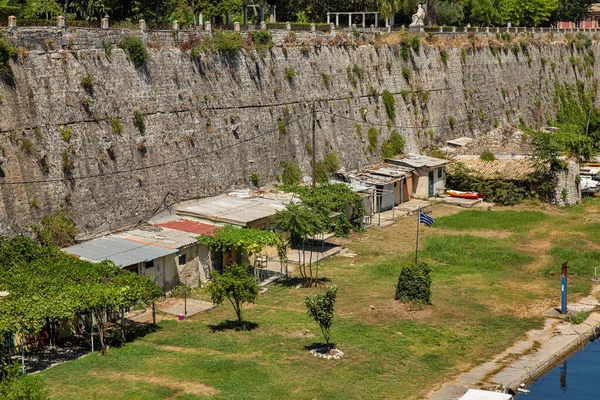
{"points": [[187, 225]]}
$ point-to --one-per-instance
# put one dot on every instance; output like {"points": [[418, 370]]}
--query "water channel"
{"points": [[576, 378]]}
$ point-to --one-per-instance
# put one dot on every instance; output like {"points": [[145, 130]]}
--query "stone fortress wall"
{"points": [[212, 121]]}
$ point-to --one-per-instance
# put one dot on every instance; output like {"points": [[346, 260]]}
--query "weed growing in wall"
{"points": [[117, 127], [390, 104], [281, 127], [393, 146], [65, 134], [406, 73], [27, 147], [227, 43], [326, 79], [135, 50], [139, 121], [7, 51], [373, 139], [332, 162], [87, 81], [444, 56], [291, 174], [254, 178], [451, 122], [373, 92], [359, 131], [289, 73], [363, 113]]}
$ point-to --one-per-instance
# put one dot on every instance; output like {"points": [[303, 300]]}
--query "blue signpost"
{"points": [[563, 303]]}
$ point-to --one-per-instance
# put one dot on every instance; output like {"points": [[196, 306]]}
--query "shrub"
{"points": [[406, 73], [393, 146], [291, 174], [135, 50], [373, 139], [321, 173], [15, 386], [56, 230], [332, 162], [261, 37], [414, 284], [117, 127], [254, 179], [139, 121], [87, 81], [7, 51], [390, 104], [289, 73], [487, 156], [342, 226], [227, 43]]}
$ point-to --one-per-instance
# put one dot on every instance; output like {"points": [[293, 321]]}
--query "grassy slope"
{"points": [[494, 272]]}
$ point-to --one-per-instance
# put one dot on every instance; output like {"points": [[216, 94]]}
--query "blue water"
{"points": [[577, 378]]}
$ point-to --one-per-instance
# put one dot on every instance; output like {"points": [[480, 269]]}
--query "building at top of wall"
{"points": [[429, 179]]}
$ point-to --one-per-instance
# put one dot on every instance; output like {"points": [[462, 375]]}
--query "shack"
{"points": [[429, 178], [168, 255]]}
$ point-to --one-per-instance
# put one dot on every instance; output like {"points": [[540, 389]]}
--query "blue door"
{"points": [[431, 177]]}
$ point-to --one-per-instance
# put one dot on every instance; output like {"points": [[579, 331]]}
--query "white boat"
{"points": [[475, 394]]}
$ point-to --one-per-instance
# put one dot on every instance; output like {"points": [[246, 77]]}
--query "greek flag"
{"points": [[425, 219]]}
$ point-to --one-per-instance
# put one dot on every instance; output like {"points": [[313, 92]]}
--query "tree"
{"points": [[414, 284], [571, 10], [483, 12], [300, 222], [235, 285], [320, 308], [46, 8], [528, 13], [449, 12]]}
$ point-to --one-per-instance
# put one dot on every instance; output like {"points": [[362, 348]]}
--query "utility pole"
{"points": [[314, 148]]}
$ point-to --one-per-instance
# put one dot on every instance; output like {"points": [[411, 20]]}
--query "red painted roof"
{"points": [[186, 225]]}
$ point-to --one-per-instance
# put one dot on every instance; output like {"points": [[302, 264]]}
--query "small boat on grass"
{"points": [[464, 195]]}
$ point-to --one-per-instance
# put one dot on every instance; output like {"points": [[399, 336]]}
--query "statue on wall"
{"points": [[418, 18]]}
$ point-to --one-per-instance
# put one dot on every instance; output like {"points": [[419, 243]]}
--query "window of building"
{"points": [[150, 264], [440, 172], [577, 23], [182, 259]]}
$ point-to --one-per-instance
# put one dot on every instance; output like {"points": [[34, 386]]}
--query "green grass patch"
{"points": [[514, 221]]}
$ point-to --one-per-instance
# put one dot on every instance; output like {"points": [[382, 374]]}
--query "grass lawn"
{"points": [[494, 274]]}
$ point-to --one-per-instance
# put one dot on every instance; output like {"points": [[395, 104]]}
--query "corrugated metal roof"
{"points": [[232, 210], [121, 251], [417, 161], [371, 179], [187, 225], [460, 142], [390, 170], [161, 237]]}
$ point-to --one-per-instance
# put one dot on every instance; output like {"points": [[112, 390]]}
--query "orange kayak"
{"points": [[463, 195]]}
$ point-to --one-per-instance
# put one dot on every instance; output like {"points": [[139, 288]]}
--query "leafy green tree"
{"points": [[235, 285], [45, 8], [320, 308], [291, 175], [571, 10], [414, 284], [528, 13], [449, 12], [483, 12]]}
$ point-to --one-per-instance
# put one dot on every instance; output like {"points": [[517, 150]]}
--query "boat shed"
{"points": [[430, 177]]}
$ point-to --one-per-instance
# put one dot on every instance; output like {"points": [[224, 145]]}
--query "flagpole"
{"points": [[417, 244]]}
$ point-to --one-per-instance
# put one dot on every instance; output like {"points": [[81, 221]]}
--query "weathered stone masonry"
{"points": [[211, 122]]}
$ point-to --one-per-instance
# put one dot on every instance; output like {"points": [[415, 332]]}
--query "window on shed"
{"points": [[182, 259], [150, 264], [440, 172]]}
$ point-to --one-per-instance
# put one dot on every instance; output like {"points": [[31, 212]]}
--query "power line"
{"points": [[160, 165]]}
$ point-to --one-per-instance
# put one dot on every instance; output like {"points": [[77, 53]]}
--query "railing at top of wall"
{"points": [[60, 22]]}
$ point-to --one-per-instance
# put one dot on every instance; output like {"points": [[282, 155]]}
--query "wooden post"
{"points": [[314, 149]]}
